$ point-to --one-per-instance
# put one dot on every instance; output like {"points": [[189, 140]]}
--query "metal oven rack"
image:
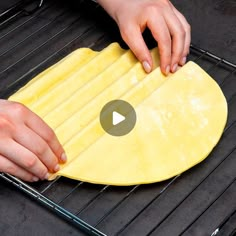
{"points": [[134, 210]]}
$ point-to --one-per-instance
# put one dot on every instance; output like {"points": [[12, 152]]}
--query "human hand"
{"points": [[168, 26], [29, 149]]}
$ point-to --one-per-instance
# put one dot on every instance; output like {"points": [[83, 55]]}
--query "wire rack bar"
{"points": [[11, 9], [51, 205], [227, 77], [34, 16], [212, 55], [222, 192], [40, 46], [117, 204], [71, 192], [11, 18], [93, 199], [147, 205], [31, 35], [50, 184], [18, 9]]}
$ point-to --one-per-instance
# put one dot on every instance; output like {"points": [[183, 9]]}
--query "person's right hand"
{"points": [[29, 149], [167, 25]]}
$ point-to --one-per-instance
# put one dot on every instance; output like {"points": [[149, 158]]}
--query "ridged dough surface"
{"points": [[180, 118]]}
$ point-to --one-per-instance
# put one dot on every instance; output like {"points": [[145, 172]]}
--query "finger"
{"points": [[36, 124], [132, 35], [9, 167], [178, 38], [187, 29], [34, 143], [23, 158], [161, 34]]}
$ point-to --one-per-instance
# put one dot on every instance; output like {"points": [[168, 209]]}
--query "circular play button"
{"points": [[117, 118]]}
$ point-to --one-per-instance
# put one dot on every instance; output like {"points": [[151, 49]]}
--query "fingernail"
{"points": [[183, 61], [147, 67], [35, 179], [46, 176], [63, 157], [56, 168], [167, 70], [174, 68]]}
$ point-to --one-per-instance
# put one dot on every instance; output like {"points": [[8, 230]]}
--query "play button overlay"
{"points": [[117, 117]]}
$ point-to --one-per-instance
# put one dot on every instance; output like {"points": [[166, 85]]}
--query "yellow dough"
{"points": [[180, 118]]}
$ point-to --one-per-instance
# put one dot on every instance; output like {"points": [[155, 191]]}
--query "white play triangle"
{"points": [[117, 118]]}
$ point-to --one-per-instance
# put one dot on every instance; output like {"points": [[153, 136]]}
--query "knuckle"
{"points": [[154, 7], [151, 9], [30, 162], [18, 109], [166, 2], [4, 122], [11, 169], [40, 150]]}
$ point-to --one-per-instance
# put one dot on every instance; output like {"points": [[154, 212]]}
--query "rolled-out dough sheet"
{"points": [[180, 118]]}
